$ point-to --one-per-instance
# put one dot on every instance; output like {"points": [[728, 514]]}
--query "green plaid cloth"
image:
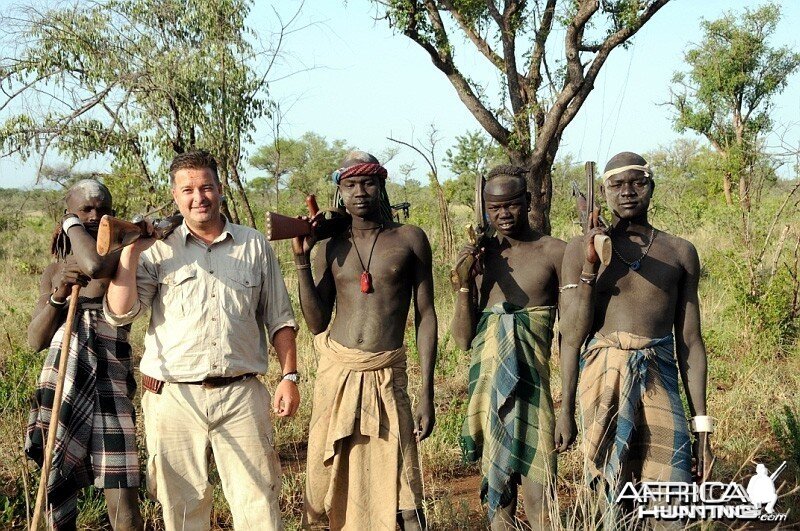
{"points": [[510, 419]]}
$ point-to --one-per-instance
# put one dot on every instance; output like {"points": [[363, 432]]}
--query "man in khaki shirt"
{"points": [[215, 289]]}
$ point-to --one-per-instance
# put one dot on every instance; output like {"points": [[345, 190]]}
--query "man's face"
{"points": [[198, 195], [89, 208], [361, 194], [628, 194], [507, 216]]}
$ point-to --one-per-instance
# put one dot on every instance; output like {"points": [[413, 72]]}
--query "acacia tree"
{"points": [[137, 81], [541, 94], [727, 94], [727, 97]]}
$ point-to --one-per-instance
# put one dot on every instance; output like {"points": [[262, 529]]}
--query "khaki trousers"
{"points": [[185, 426]]}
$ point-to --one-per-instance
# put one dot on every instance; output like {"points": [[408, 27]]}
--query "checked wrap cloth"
{"points": [[633, 419], [96, 437], [509, 422]]}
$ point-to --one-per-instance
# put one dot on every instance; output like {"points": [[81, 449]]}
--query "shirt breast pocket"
{"points": [[242, 292], [178, 289]]}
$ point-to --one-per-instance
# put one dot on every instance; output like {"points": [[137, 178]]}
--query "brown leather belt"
{"points": [[155, 386]]}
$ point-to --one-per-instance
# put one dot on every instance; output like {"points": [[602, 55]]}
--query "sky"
{"points": [[345, 75]]}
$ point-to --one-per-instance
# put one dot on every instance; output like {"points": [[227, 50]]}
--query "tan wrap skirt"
{"points": [[363, 465]]}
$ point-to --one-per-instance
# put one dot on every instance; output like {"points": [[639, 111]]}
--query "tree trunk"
{"points": [[726, 187], [228, 206], [234, 172], [744, 192], [540, 185]]}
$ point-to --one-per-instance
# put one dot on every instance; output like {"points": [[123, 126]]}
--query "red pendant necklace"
{"points": [[366, 277]]}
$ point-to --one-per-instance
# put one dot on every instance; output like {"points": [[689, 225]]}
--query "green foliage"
{"points": [[143, 80], [786, 429], [297, 167], [734, 73], [474, 154]]}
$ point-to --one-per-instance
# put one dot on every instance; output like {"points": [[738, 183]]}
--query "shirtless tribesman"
{"points": [[97, 440], [363, 466], [505, 314], [637, 324]]}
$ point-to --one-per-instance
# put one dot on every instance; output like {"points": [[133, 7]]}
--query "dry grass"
{"points": [[748, 383]]}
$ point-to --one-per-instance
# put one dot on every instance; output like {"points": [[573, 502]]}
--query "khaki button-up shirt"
{"points": [[210, 304]]}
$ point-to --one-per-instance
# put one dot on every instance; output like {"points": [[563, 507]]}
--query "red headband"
{"points": [[364, 168]]}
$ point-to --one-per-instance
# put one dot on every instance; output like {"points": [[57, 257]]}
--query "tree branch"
{"points": [[443, 60], [479, 42]]}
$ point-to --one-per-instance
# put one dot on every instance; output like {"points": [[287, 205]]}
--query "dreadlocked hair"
{"points": [[60, 246]]}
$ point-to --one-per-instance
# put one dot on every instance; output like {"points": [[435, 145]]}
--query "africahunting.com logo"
{"points": [[712, 500]]}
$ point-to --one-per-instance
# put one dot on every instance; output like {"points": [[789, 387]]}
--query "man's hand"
{"points": [[287, 399], [302, 245], [566, 431], [466, 268], [703, 457], [146, 241], [595, 229], [69, 275], [424, 418]]}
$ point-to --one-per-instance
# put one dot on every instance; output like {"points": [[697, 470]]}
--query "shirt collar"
{"points": [[227, 230]]}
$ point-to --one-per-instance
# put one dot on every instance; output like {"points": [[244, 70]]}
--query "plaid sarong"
{"points": [[509, 423], [633, 420], [96, 438]]}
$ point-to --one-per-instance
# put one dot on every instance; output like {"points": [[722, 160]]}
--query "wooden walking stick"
{"points": [[52, 429]]}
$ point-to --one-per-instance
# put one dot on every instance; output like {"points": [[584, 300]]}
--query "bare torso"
{"points": [[641, 302], [524, 274], [373, 321]]}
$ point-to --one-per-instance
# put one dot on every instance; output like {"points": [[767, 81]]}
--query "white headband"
{"points": [[645, 169]]}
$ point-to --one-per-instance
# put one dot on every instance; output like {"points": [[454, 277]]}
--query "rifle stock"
{"points": [[591, 218], [477, 234], [114, 233], [280, 227]]}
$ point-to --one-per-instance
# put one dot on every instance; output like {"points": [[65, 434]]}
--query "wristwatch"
{"points": [[291, 376]]}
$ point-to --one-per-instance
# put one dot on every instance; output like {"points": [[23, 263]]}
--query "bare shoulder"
{"points": [[573, 251], [553, 245], [683, 250], [414, 235], [554, 249]]}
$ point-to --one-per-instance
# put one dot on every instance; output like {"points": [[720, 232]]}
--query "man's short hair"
{"points": [[89, 188], [509, 170], [193, 160], [358, 157]]}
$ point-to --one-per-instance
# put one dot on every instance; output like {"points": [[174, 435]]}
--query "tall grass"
{"points": [[752, 378]]}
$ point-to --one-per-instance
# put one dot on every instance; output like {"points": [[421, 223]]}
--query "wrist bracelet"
{"points": [[702, 424], [302, 266], [464, 290], [57, 304], [70, 222], [588, 279], [291, 376]]}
